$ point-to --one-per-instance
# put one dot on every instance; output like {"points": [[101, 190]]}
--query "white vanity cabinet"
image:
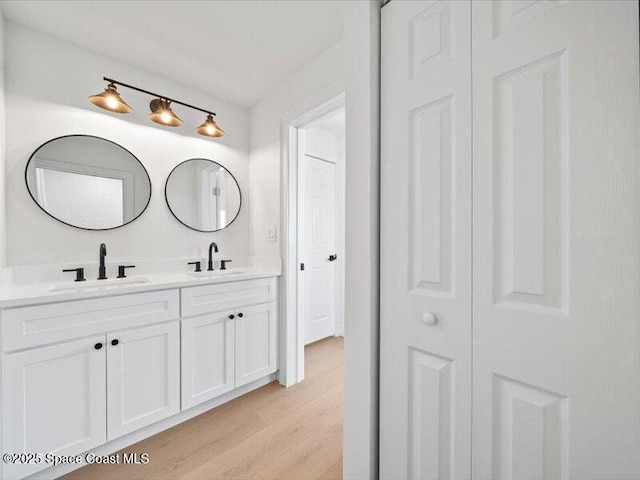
{"points": [[75, 395], [81, 373], [231, 340]]}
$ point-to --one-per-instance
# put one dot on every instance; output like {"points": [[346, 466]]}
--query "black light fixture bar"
{"points": [[172, 100]]}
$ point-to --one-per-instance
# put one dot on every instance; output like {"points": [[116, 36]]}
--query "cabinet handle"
{"points": [[241, 315], [115, 342], [231, 317], [98, 346]]}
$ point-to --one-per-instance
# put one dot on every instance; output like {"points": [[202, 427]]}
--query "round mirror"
{"points": [[203, 195], [88, 182]]}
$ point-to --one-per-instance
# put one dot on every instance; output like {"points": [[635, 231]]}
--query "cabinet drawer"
{"points": [[223, 296], [38, 325]]}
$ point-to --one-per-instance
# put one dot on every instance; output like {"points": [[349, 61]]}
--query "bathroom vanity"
{"points": [[97, 367]]}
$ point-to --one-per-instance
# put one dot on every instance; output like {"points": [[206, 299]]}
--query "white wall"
{"points": [[265, 117], [362, 93], [47, 83]]}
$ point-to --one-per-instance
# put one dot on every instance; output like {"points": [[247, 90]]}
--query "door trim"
{"points": [[291, 351]]}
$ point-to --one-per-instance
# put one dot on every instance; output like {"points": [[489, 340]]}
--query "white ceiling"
{"points": [[235, 50]]}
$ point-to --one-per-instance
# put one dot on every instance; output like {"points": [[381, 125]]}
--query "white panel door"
{"points": [[256, 342], [143, 377], [53, 401], [207, 357], [319, 245], [425, 367], [556, 240]]}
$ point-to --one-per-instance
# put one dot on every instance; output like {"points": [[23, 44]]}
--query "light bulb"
{"points": [[112, 102]]}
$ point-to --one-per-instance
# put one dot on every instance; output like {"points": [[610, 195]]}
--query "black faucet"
{"points": [[102, 271], [212, 247]]}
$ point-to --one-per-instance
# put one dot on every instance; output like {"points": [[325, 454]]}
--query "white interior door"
{"points": [[556, 240], [319, 245], [143, 377], [425, 367]]}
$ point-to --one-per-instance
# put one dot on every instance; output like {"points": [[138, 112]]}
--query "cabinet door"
{"points": [[143, 377], [207, 357], [53, 401], [256, 342]]}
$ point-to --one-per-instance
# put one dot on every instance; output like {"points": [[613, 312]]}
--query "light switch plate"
{"points": [[271, 234]]}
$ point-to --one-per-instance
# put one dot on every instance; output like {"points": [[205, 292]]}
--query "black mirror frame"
{"points": [[166, 197], [26, 182]]}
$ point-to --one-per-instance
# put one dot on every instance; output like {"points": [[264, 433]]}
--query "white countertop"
{"points": [[19, 295]]}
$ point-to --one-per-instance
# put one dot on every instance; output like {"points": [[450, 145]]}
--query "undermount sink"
{"points": [[99, 284], [215, 273]]}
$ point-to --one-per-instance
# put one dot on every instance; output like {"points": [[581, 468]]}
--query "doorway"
{"points": [[294, 128], [321, 227]]}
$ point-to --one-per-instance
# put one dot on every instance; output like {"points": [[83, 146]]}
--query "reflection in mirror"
{"points": [[203, 195], [88, 182]]}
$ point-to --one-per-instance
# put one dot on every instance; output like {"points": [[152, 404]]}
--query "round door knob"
{"points": [[98, 346], [429, 319], [115, 342], [241, 315], [231, 317]]}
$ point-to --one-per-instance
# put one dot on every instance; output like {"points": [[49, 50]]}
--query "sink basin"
{"points": [[97, 285], [216, 273]]}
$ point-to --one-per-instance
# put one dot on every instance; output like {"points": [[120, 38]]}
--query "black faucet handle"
{"points": [[122, 272], [223, 264], [79, 273], [197, 264]]}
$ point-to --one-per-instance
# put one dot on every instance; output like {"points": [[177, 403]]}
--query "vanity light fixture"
{"points": [[210, 128], [160, 106], [110, 100], [161, 113]]}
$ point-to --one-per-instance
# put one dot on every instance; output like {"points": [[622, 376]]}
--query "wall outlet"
{"points": [[271, 234]]}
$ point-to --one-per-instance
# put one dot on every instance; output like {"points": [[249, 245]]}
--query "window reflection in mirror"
{"points": [[203, 195], [88, 182]]}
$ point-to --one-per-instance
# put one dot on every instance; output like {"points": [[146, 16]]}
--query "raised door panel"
{"points": [[431, 396], [143, 377], [207, 357], [425, 351], [256, 342], [53, 401], [556, 350]]}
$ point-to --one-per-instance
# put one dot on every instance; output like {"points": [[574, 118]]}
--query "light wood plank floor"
{"points": [[271, 433]]}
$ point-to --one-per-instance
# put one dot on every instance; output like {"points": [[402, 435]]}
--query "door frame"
{"points": [[291, 351]]}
